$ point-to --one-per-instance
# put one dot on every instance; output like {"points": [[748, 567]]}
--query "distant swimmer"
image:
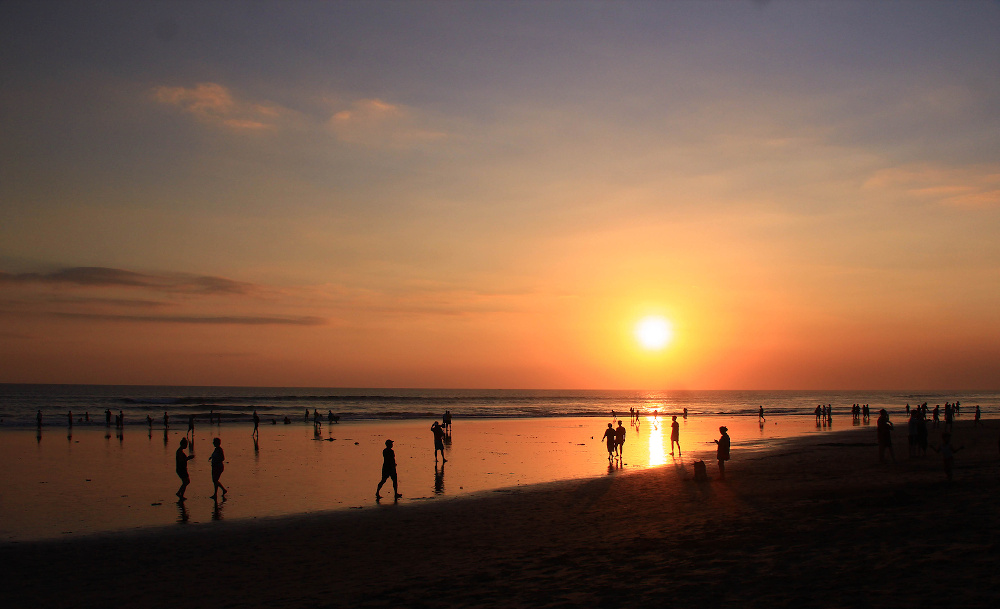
{"points": [[620, 438], [722, 454], [675, 436], [388, 471], [181, 458], [218, 460], [438, 432], [612, 440]]}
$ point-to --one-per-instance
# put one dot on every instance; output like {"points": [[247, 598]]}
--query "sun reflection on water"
{"points": [[657, 454]]}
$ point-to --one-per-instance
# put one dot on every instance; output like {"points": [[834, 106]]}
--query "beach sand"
{"points": [[818, 522]]}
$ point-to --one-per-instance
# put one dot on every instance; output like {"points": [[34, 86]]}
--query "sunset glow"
{"points": [[493, 194]]}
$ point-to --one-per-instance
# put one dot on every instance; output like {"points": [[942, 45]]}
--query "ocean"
{"points": [[20, 403]]}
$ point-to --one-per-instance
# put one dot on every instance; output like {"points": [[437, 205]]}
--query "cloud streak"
{"points": [[239, 320], [95, 276]]}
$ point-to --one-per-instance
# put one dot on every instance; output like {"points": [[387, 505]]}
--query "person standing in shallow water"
{"points": [[181, 458], [218, 460], [722, 454], [388, 471]]}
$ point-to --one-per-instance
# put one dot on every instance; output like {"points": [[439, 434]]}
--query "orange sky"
{"points": [[491, 196]]}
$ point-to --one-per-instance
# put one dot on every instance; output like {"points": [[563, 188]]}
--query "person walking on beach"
{"points": [[438, 441], [722, 453], [218, 460], [619, 438], [166, 420], [181, 458], [884, 431], [612, 440], [388, 471], [256, 424], [979, 416], [760, 414], [191, 425], [947, 452], [446, 421], [675, 436]]}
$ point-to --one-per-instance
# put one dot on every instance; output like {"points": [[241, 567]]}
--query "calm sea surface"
{"points": [[19, 404]]}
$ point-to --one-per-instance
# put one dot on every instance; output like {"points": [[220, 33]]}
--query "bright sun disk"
{"points": [[653, 332]]}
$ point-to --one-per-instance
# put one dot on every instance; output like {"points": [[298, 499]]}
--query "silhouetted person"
{"points": [[332, 418], [760, 414], [612, 440], [620, 438], [675, 436], [38, 418], [191, 425], [69, 415], [218, 460], [438, 432], [722, 453], [446, 421], [107, 417], [166, 419], [979, 416], [685, 414], [937, 415], [149, 421], [388, 470], [121, 419], [947, 452], [884, 432], [181, 458], [256, 423]]}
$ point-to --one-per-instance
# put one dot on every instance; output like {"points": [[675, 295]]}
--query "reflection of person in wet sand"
{"points": [[675, 436], [438, 441], [612, 439], [620, 438], [388, 470], [722, 454], [182, 459], [218, 460]]}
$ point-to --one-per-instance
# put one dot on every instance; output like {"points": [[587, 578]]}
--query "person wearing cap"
{"points": [[388, 470], [722, 454]]}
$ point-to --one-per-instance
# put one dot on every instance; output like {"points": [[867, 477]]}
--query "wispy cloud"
{"points": [[214, 103], [377, 123], [95, 276], [974, 187], [241, 320]]}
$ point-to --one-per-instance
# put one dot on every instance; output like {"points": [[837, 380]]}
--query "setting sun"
{"points": [[653, 332]]}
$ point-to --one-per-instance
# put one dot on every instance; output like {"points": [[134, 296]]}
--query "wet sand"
{"points": [[91, 479], [818, 522]]}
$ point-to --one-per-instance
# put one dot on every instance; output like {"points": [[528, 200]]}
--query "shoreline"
{"points": [[816, 521]]}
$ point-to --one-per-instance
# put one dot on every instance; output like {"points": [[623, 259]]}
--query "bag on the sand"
{"points": [[700, 473]]}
